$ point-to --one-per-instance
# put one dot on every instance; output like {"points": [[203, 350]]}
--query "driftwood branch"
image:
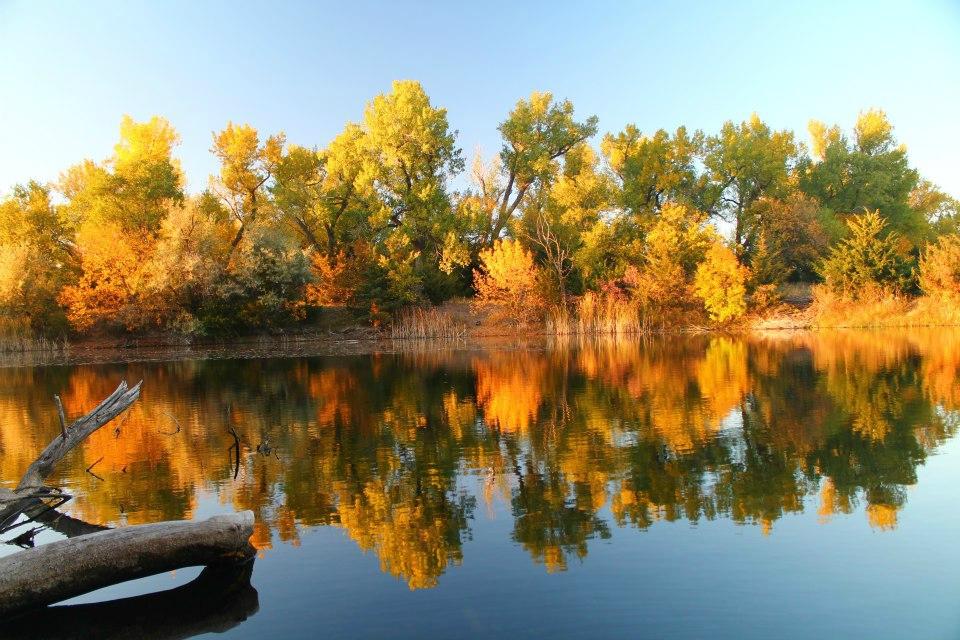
{"points": [[67, 568], [61, 415], [115, 404], [31, 492], [95, 559]]}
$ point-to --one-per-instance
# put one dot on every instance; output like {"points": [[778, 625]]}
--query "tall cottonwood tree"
{"points": [[868, 172], [246, 167], [410, 153], [536, 135], [322, 193], [746, 162], [652, 170]]}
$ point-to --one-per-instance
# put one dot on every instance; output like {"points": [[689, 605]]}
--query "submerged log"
{"points": [[30, 493], [67, 568]]}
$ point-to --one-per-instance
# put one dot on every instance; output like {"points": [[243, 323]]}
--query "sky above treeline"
{"points": [[70, 70]]}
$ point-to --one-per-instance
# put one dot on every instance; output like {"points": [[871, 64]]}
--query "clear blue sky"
{"points": [[70, 70]]}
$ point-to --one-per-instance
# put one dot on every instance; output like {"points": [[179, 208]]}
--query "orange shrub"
{"points": [[509, 278], [337, 279], [112, 276], [940, 268]]}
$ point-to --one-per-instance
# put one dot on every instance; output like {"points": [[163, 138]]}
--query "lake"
{"points": [[786, 485]]}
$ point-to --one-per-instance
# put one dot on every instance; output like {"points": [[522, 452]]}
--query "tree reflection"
{"points": [[575, 440]]}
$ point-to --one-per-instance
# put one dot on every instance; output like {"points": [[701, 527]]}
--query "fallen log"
{"points": [[217, 600], [67, 568], [115, 404]]}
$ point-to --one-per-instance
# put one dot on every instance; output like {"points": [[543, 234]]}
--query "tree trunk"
{"points": [[67, 568]]}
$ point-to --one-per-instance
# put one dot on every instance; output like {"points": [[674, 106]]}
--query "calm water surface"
{"points": [[792, 485]]}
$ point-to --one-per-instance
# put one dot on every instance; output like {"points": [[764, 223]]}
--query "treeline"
{"points": [[377, 220]]}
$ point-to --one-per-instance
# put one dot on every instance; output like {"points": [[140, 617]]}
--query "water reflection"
{"points": [[579, 440]]}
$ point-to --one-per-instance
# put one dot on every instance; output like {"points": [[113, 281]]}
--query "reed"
{"points": [[16, 337], [420, 323], [600, 314]]}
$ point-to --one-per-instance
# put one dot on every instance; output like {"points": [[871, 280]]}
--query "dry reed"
{"points": [[419, 323]]}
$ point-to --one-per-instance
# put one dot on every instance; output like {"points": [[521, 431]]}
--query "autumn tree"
{"points": [[721, 283], [536, 135], [940, 269], [746, 162], [118, 208], [410, 152], [38, 257], [795, 230], [323, 193], [938, 209], [246, 167], [652, 170], [558, 214], [675, 246], [870, 171]]}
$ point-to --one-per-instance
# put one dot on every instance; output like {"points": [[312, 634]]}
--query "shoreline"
{"points": [[359, 340]]}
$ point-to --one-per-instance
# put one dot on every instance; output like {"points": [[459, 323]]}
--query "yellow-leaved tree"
{"points": [[509, 278], [721, 283]]}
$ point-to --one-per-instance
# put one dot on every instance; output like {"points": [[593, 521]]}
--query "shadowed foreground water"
{"points": [[778, 486]]}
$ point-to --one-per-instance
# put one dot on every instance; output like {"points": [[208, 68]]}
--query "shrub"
{"points": [[675, 245], [113, 272], [767, 272], [337, 279], [869, 258], [262, 287], [721, 283], [940, 268], [509, 278]]}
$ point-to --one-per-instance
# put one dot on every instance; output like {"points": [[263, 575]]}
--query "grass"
{"points": [[600, 314], [597, 314]]}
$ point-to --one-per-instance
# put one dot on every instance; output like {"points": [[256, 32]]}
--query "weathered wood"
{"points": [[217, 600], [61, 415], [30, 491], [115, 404], [67, 568]]}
